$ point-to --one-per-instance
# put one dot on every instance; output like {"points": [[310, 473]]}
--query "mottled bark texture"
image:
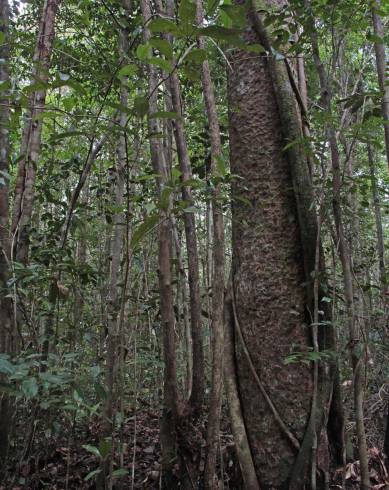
{"points": [[268, 271], [274, 241]]}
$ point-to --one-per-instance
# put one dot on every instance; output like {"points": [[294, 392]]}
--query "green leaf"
{"points": [[140, 232], [5, 85], [92, 449], [66, 134], [187, 12], [221, 165], [192, 72], [127, 71], [105, 447], [141, 106], [164, 115], [196, 55], [374, 38], [120, 472], [6, 367], [236, 13], [143, 51], [163, 25], [211, 6], [2, 37], [161, 63], [30, 387], [220, 33], [163, 47], [92, 474]]}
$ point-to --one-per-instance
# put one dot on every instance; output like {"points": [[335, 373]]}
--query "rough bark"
{"points": [[274, 250], [31, 136], [267, 275]]}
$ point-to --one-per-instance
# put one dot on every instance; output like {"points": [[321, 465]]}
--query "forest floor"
{"points": [[67, 462]]}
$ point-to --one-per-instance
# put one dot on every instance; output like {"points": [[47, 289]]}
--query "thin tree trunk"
{"points": [[242, 445], [114, 303], [31, 137], [171, 402], [197, 394], [7, 330], [379, 47], [378, 218], [217, 325], [355, 344]]}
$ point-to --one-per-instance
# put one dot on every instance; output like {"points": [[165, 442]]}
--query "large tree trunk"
{"points": [[274, 248]]}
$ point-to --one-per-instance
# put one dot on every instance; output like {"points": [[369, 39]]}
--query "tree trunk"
{"points": [[274, 249], [378, 219], [197, 394], [114, 302], [7, 331], [31, 137], [379, 47], [356, 346], [171, 402], [217, 322]]}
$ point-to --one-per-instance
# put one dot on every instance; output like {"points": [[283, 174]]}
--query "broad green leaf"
{"points": [[192, 72], [164, 115], [211, 6], [141, 106], [143, 51], [236, 13], [6, 367], [30, 387], [119, 472], [220, 33], [187, 11], [93, 473], [163, 25], [142, 230], [127, 71], [221, 165], [196, 55], [66, 134], [161, 63], [105, 447], [163, 47], [92, 449]]}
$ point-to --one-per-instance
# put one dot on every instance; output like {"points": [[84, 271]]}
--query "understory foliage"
{"points": [[83, 330]]}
